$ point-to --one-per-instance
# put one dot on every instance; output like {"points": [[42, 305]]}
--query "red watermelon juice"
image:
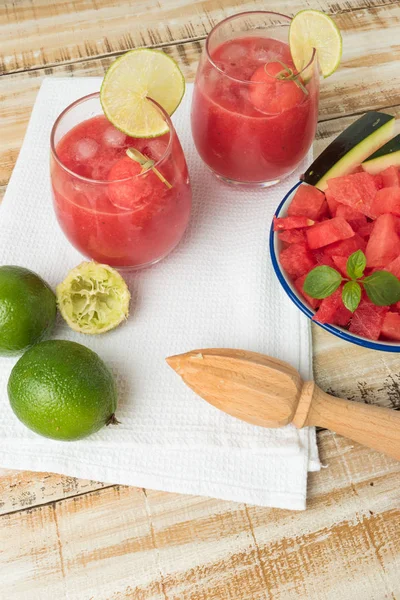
{"points": [[252, 122], [108, 208]]}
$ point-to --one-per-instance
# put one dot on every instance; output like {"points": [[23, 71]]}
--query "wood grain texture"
{"points": [[125, 542], [359, 374], [79, 540], [43, 33], [359, 87], [23, 489]]}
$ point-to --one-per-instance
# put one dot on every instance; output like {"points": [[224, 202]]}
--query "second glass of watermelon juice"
{"points": [[253, 115], [112, 208]]}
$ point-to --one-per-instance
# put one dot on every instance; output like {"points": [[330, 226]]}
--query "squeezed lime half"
{"points": [[93, 298]]}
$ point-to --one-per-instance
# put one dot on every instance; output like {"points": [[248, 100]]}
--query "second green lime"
{"points": [[27, 309]]}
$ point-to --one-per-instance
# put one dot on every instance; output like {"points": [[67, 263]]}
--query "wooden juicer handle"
{"points": [[372, 426]]}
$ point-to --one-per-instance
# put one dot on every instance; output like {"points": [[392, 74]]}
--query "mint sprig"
{"points": [[322, 282], [356, 264], [381, 287], [288, 74], [146, 163], [351, 295]]}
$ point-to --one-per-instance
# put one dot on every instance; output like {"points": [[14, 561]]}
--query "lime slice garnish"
{"points": [[129, 82], [93, 298], [314, 29]]}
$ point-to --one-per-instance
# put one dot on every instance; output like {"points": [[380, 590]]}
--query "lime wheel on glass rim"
{"points": [[313, 29], [133, 79]]}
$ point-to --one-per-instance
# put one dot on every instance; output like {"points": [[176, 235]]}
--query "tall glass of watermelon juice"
{"points": [[253, 115], [119, 200]]}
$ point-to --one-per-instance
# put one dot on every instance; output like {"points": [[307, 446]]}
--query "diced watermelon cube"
{"points": [[292, 236], [356, 190], [384, 243], [324, 214], [396, 306], [332, 203], [321, 258], [394, 267], [299, 283], [390, 177], [387, 200], [367, 320], [328, 307], [328, 232], [378, 181], [365, 230], [342, 316], [284, 223], [391, 326], [346, 247], [352, 216], [309, 202], [297, 260], [340, 264]]}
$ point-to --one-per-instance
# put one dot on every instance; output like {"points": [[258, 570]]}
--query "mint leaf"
{"points": [[321, 282], [382, 288], [351, 295], [356, 264]]}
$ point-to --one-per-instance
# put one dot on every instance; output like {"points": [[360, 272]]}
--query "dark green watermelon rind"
{"points": [[350, 148], [386, 156]]}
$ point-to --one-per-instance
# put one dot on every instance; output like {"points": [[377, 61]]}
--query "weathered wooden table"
{"points": [[65, 538]]}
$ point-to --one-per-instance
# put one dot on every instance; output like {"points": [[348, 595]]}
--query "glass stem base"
{"points": [[250, 184]]}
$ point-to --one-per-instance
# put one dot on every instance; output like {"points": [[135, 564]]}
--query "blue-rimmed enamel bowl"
{"points": [[275, 246]]}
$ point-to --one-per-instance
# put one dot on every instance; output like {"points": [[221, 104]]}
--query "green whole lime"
{"points": [[62, 390], [27, 309]]}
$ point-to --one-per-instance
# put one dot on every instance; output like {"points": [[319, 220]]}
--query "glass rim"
{"points": [[244, 14], [106, 181]]}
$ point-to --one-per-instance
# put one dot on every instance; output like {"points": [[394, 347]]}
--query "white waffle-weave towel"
{"points": [[216, 289]]}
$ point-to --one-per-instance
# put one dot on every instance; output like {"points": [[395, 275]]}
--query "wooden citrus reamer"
{"points": [[267, 392]]}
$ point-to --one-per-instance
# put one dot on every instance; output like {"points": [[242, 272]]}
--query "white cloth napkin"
{"points": [[216, 289]]}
